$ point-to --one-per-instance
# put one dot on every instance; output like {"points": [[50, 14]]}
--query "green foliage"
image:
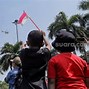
{"points": [[84, 5], [75, 24], [8, 52], [7, 48], [3, 85]]}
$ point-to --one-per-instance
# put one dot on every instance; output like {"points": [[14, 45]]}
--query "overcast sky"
{"points": [[43, 12]]}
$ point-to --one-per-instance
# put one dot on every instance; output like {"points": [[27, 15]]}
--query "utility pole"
{"points": [[16, 22]]}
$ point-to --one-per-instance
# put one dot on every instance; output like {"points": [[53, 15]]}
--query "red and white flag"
{"points": [[23, 18]]}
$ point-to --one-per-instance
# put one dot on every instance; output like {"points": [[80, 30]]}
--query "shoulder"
{"points": [[23, 52], [10, 72], [56, 58], [79, 59], [44, 51]]}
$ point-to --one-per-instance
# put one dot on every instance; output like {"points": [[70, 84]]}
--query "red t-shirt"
{"points": [[69, 71]]}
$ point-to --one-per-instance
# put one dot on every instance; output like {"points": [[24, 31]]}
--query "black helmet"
{"points": [[64, 41]]}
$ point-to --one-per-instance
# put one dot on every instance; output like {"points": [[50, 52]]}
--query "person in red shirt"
{"points": [[66, 70]]}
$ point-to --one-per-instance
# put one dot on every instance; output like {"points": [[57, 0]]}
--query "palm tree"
{"points": [[8, 52], [86, 22], [75, 24], [60, 22], [84, 5]]}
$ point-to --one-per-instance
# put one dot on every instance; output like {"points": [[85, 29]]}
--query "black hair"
{"points": [[35, 38], [64, 41]]}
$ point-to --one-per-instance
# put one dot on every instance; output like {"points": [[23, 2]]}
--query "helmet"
{"points": [[64, 41]]}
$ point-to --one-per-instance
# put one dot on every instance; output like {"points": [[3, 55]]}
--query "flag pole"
{"points": [[15, 22], [34, 23], [24, 16]]}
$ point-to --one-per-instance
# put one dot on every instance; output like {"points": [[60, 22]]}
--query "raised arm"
{"points": [[46, 42]]}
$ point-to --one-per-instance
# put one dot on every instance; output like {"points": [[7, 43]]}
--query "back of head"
{"points": [[17, 61], [64, 41], [35, 38]]}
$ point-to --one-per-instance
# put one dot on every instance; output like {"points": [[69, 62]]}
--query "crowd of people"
{"points": [[65, 70]]}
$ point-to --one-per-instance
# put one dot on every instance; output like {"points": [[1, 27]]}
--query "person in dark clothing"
{"points": [[34, 60]]}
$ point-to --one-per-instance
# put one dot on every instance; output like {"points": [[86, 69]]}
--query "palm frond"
{"points": [[73, 19], [8, 52], [7, 48], [4, 61], [16, 47], [86, 16], [84, 5]]}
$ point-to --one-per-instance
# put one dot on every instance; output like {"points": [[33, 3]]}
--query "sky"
{"points": [[43, 12]]}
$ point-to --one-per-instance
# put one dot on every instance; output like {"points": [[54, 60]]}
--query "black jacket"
{"points": [[32, 60]]}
